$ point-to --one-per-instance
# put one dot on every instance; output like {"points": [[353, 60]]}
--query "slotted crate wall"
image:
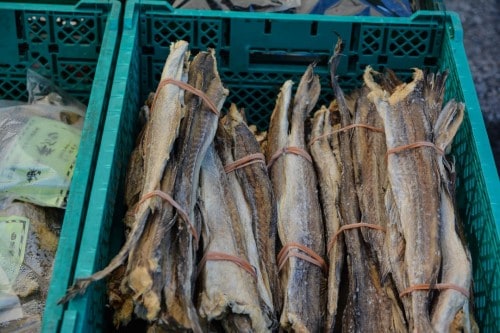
{"points": [[250, 51], [64, 46], [75, 46], [256, 53], [479, 209]]}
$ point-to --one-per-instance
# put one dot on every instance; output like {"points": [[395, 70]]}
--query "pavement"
{"points": [[482, 46]]}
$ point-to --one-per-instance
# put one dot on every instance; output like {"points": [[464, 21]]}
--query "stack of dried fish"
{"points": [[431, 255], [234, 230], [300, 224], [386, 187], [194, 259], [349, 194]]}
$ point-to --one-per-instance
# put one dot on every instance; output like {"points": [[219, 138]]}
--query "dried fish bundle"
{"points": [[200, 126], [300, 224], [418, 131], [157, 283], [156, 147], [368, 302], [249, 180], [370, 174], [228, 281]]}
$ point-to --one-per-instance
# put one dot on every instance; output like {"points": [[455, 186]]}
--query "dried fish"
{"points": [[119, 298], [200, 126], [134, 177], [227, 288], [206, 217], [368, 152], [253, 193], [300, 222], [160, 134], [370, 173], [413, 118], [325, 152], [416, 198], [457, 266], [362, 313]]}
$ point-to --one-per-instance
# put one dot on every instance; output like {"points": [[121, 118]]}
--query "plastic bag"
{"points": [[38, 145], [43, 91], [28, 242]]}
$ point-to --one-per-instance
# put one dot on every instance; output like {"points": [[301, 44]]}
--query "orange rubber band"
{"points": [[187, 87], [348, 227], [372, 128], [174, 203], [220, 256], [289, 150], [438, 286], [412, 146], [308, 255], [245, 161]]}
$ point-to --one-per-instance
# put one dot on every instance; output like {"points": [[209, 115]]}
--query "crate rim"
{"points": [[412, 19], [473, 108], [54, 6]]}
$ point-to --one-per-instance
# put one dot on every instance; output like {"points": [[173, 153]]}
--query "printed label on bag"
{"points": [[39, 166], [13, 238]]}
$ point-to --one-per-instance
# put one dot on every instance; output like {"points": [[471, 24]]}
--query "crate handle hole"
{"points": [[314, 28], [267, 26]]}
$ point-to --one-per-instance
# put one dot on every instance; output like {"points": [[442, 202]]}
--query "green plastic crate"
{"points": [[76, 46], [257, 52]]}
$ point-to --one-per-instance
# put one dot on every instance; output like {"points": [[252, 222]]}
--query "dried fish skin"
{"points": [[417, 198], [299, 213], [395, 246], [134, 176], [278, 126], [226, 287]]}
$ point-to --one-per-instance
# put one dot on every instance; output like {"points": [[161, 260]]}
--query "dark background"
{"points": [[481, 24]]}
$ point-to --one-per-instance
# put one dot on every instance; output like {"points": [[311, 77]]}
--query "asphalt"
{"points": [[482, 46]]}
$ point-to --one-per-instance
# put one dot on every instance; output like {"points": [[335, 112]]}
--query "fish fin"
{"points": [[448, 123]]}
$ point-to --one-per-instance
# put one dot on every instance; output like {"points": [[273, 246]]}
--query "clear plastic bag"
{"points": [[38, 145], [28, 241]]}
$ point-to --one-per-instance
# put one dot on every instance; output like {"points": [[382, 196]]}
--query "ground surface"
{"points": [[480, 20]]}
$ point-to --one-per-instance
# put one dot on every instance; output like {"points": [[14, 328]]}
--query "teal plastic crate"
{"points": [[256, 53], [75, 46]]}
